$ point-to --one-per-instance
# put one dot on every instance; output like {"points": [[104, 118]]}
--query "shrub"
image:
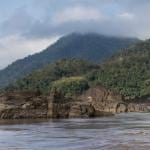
{"points": [[71, 86]]}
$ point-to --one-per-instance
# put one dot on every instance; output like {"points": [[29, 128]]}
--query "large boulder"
{"points": [[101, 99], [82, 110], [137, 107]]}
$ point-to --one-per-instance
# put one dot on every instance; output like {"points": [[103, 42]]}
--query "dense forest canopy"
{"points": [[62, 73], [127, 72]]}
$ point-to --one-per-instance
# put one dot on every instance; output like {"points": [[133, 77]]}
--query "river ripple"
{"points": [[121, 132]]}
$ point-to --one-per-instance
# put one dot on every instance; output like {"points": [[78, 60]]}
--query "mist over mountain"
{"points": [[90, 46]]}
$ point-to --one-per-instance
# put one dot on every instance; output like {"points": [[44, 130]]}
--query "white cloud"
{"points": [[14, 47], [32, 28], [77, 14], [18, 22], [126, 16]]}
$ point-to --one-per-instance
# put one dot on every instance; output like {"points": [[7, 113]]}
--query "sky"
{"points": [[29, 26]]}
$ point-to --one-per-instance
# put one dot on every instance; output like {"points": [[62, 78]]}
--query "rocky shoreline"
{"points": [[95, 102]]}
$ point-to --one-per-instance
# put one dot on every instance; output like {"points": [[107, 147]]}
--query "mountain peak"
{"points": [[88, 46]]}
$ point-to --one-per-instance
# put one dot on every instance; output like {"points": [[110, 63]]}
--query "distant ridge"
{"points": [[90, 46]]}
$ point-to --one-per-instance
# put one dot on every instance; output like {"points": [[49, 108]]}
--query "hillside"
{"points": [[92, 47], [127, 72], [67, 75]]}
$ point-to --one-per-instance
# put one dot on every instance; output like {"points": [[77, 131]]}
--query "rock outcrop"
{"points": [[96, 101], [61, 107], [18, 105], [102, 99]]}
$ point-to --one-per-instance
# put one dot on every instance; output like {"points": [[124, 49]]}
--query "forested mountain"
{"points": [[90, 46], [127, 72], [67, 75]]}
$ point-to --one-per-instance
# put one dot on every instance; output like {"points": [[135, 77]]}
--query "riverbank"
{"points": [[95, 102]]}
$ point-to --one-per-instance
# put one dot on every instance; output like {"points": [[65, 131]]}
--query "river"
{"points": [[121, 132]]}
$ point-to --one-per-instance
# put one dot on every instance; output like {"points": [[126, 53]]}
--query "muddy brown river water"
{"points": [[121, 132]]}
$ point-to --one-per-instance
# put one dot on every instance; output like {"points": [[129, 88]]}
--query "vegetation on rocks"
{"points": [[71, 85]]}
